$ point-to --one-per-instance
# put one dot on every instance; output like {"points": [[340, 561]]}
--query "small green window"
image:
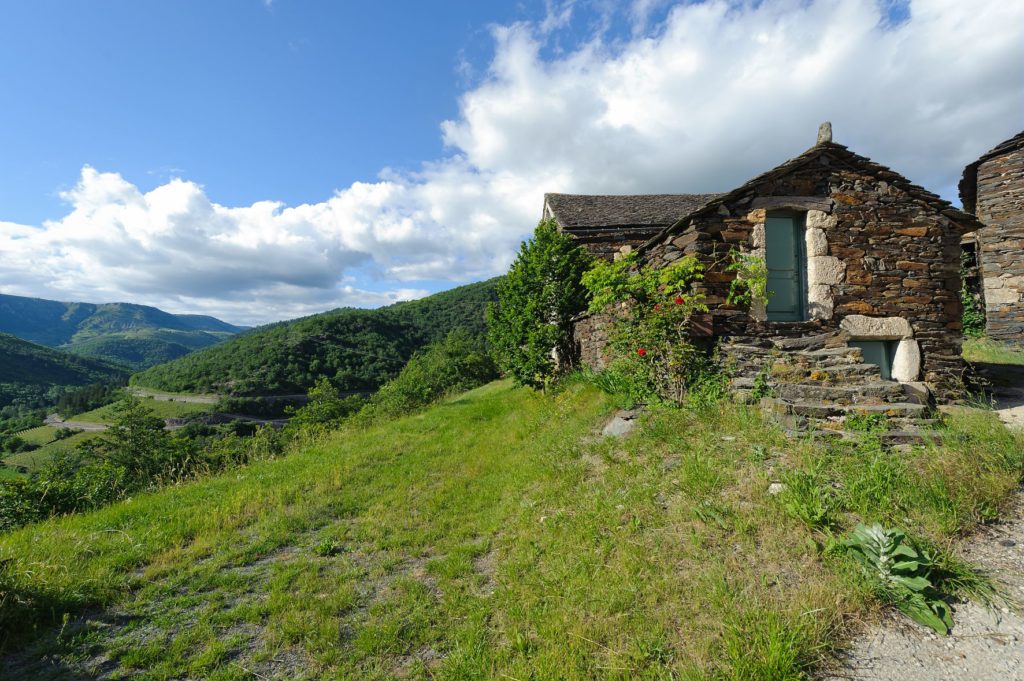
{"points": [[879, 352]]}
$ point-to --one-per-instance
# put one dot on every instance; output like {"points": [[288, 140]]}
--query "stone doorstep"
{"points": [[879, 391]]}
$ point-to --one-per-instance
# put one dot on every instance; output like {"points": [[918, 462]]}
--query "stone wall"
{"points": [[879, 251], [1000, 206], [590, 333]]}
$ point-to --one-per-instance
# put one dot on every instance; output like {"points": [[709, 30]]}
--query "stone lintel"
{"points": [[862, 327]]}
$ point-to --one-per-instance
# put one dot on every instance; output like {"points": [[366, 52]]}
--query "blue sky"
{"points": [[283, 101], [261, 161]]}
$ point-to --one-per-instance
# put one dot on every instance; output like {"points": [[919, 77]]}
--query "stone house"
{"points": [[992, 188], [863, 270]]}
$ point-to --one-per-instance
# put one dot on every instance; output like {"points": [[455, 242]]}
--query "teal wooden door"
{"points": [[784, 255]]}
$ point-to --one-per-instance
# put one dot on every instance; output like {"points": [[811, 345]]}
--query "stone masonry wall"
{"points": [[885, 254], [1000, 206], [590, 332]]}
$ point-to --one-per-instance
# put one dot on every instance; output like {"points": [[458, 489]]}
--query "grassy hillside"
{"points": [[48, 449], [160, 408], [356, 349], [495, 536], [136, 335], [30, 372]]}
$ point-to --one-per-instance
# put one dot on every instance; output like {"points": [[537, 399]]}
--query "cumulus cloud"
{"points": [[710, 96]]}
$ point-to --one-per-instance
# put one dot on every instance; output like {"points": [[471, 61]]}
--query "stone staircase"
{"points": [[817, 384]]}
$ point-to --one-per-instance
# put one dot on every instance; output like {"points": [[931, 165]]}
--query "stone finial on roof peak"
{"points": [[825, 132]]}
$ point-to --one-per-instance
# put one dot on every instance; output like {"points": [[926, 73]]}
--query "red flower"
{"points": [[679, 300], [642, 352], [657, 307]]}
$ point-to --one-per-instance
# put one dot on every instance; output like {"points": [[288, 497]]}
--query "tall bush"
{"points": [[458, 363], [650, 337], [542, 292]]}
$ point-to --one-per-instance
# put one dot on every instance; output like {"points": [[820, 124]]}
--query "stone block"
{"points": [[855, 306], [906, 365], [913, 231], [817, 219], [994, 297], [817, 243], [824, 269], [881, 328], [820, 304], [757, 238]]}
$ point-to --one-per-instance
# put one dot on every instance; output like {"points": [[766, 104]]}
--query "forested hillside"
{"points": [[30, 372], [136, 335], [356, 349]]}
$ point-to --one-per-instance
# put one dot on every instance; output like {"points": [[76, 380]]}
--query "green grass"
{"points": [[160, 408], [495, 536], [37, 458], [38, 436], [989, 351]]}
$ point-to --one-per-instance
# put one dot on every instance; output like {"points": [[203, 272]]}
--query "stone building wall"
{"points": [[875, 252], [590, 333], [1000, 206]]}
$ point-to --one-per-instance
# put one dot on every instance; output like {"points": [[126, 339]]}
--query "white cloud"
{"points": [[715, 94]]}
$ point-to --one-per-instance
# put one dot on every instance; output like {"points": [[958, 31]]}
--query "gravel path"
{"points": [[984, 645]]}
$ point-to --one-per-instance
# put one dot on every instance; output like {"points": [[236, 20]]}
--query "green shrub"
{"points": [[326, 408], [458, 363], [537, 300], [807, 496], [902, 573], [18, 504], [650, 337]]}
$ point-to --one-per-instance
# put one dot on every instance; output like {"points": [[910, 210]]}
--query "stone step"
{"points": [[845, 374], [866, 393], [815, 342], [822, 410], [891, 438]]}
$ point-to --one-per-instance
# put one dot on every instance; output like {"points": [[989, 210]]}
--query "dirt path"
{"points": [[984, 645]]}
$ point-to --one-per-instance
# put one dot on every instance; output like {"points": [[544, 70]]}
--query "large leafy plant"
{"points": [[751, 282], [902, 572], [652, 308]]}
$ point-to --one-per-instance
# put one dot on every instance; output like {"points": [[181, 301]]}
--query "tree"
{"points": [[326, 407], [532, 322], [136, 441]]}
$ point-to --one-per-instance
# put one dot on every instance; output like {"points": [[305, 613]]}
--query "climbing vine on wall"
{"points": [[650, 337], [751, 282]]}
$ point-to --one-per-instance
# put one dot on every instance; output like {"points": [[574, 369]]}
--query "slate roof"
{"points": [[839, 154], [582, 211], [969, 181]]}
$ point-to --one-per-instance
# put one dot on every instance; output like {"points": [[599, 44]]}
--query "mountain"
{"points": [[30, 372], [357, 349], [138, 336]]}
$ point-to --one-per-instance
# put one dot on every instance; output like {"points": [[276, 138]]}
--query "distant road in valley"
{"points": [[170, 397]]}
